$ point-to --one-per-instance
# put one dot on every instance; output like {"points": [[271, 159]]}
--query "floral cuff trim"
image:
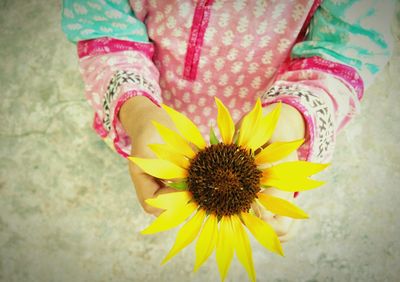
{"points": [[320, 129], [121, 140], [344, 72], [122, 82], [117, 139]]}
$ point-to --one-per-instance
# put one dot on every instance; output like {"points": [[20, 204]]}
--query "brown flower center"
{"points": [[224, 179]]}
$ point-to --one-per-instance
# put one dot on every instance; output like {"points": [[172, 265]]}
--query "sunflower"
{"points": [[219, 183]]}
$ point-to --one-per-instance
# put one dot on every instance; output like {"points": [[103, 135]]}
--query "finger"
{"points": [[280, 224], [278, 193], [165, 190], [285, 227], [257, 209], [146, 187], [261, 212], [293, 229], [266, 214]]}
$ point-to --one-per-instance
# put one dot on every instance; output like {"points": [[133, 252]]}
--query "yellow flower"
{"points": [[219, 183]]}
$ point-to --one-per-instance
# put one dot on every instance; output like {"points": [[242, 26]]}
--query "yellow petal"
{"points": [[164, 151], [250, 124], [243, 248], [277, 151], [265, 129], [280, 206], [174, 140], [170, 219], [207, 241], [225, 123], [224, 252], [292, 176], [291, 184], [159, 168], [170, 200], [295, 169], [263, 232], [186, 127], [186, 234]]}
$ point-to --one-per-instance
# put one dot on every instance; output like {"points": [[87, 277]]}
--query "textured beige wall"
{"points": [[68, 211]]}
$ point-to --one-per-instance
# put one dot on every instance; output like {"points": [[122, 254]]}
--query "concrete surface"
{"points": [[68, 211]]}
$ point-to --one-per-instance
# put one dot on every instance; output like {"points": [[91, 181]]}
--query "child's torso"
{"points": [[239, 45]]}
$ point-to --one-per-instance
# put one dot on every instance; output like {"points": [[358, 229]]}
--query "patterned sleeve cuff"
{"points": [[317, 114], [123, 86], [121, 140], [113, 71], [116, 137]]}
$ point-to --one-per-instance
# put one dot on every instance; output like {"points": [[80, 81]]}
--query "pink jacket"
{"points": [[183, 53]]}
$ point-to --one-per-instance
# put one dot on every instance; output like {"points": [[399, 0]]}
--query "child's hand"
{"points": [[285, 227], [136, 115], [290, 127]]}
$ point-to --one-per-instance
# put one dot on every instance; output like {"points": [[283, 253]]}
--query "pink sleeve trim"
{"points": [[305, 151], [105, 45], [121, 140], [346, 73], [98, 126]]}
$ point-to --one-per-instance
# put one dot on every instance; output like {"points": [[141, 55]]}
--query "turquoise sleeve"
{"points": [[82, 20], [351, 32]]}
